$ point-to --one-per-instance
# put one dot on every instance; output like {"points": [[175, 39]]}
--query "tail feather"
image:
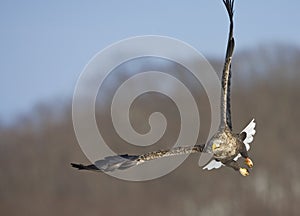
{"points": [[250, 132]]}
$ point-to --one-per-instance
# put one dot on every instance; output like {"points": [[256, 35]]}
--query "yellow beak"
{"points": [[213, 146]]}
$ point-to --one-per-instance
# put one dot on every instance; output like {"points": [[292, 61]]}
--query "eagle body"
{"points": [[225, 145]]}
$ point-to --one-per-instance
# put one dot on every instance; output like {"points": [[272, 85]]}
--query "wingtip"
{"points": [[229, 4], [77, 166]]}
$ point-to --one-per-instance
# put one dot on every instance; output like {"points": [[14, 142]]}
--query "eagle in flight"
{"points": [[225, 145]]}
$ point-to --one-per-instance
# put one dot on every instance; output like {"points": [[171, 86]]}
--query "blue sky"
{"points": [[44, 45]]}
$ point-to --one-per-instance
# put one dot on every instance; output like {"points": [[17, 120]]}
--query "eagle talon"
{"points": [[249, 162], [244, 172]]}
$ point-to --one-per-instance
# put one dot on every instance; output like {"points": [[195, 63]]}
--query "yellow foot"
{"points": [[244, 172], [249, 162]]}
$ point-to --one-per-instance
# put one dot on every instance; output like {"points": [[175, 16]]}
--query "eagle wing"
{"points": [[125, 161], [226, 75]]}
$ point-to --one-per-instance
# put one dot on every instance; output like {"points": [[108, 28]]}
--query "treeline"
{"points": [[36, 178]]}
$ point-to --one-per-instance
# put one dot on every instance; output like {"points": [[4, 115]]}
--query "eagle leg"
{"points": [[233, 164], [244, 154], [248, 162]]}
